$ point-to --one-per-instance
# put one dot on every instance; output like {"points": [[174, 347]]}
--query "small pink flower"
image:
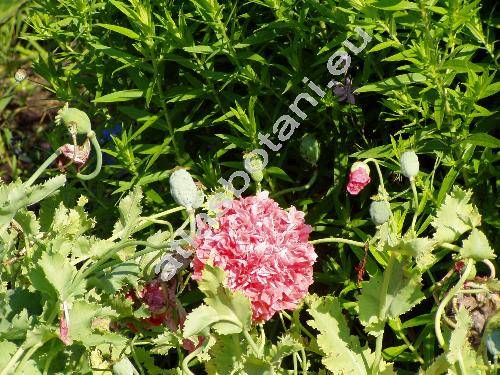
{"points": [[264, 251], [358, 178]]}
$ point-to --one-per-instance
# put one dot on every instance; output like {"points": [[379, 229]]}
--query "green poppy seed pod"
{"points": [[76, 120], [310, 149], [380, 211], [184, 190], [409, 164]]}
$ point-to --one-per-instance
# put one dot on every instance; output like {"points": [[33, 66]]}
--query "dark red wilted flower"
{"points": [[160, 298]]}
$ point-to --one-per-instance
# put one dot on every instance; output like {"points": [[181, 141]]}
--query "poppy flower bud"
{"points": [[76, 120], [184, 190], [409, 164], [380, 211], [20, 75], [254, 166], [358, 178], [310, 149]]}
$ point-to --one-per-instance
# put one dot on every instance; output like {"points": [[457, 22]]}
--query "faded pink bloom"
{"points": [[64, 330], [79, 158], [264, 251], [358, 178]]}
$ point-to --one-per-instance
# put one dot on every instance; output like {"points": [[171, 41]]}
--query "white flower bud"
{"points": [[20, 75], [409, 164], [380, 211], [184, 190]]}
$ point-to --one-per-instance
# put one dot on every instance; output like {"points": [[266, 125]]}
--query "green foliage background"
{"points": [[192, 83]]}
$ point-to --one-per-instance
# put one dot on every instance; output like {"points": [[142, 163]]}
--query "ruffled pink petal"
{"points": [[264, 251]]}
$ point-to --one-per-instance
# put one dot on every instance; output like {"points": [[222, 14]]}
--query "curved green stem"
{"points": [[415, 213], [190, 356], [298, 188], [337, 239], [97, 147], [446, 299], [43, 167], [380, 177]]}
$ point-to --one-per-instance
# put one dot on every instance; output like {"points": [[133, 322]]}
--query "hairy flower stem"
{"points": [[190, 356], [382, 314], [446, 300], [415, 213], [27, 356], [298, 188], [84, 272], [192, 223], [252, 344], [13, 361], [338, 240], [91, 135], [379, 172], [43, 167]]}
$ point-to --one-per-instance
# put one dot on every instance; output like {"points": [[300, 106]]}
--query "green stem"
{"points": [[380, 177], [97, 170], [192, 223], [258, 187], [446, 299], [449, 246], [415, 213], [13, 361], [42, 168], [298, 188], [251, 342], [82, 272], [190, 356], [27, 356], [382, 313], [337, 239]]}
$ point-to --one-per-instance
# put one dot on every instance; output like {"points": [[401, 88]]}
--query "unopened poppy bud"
{"points": [[310, 149], [380, 211], [409, 164], [254, 166], [76, 120], [20, 75], [184, 190]]}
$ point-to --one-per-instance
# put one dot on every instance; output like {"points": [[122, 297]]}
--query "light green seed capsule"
{"points": [[380, 211], [76, 120], [310, 149], [409, 164], [184, 190]]}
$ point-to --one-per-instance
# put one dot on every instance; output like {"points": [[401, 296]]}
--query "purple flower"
{"points": [[345, 91]]}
